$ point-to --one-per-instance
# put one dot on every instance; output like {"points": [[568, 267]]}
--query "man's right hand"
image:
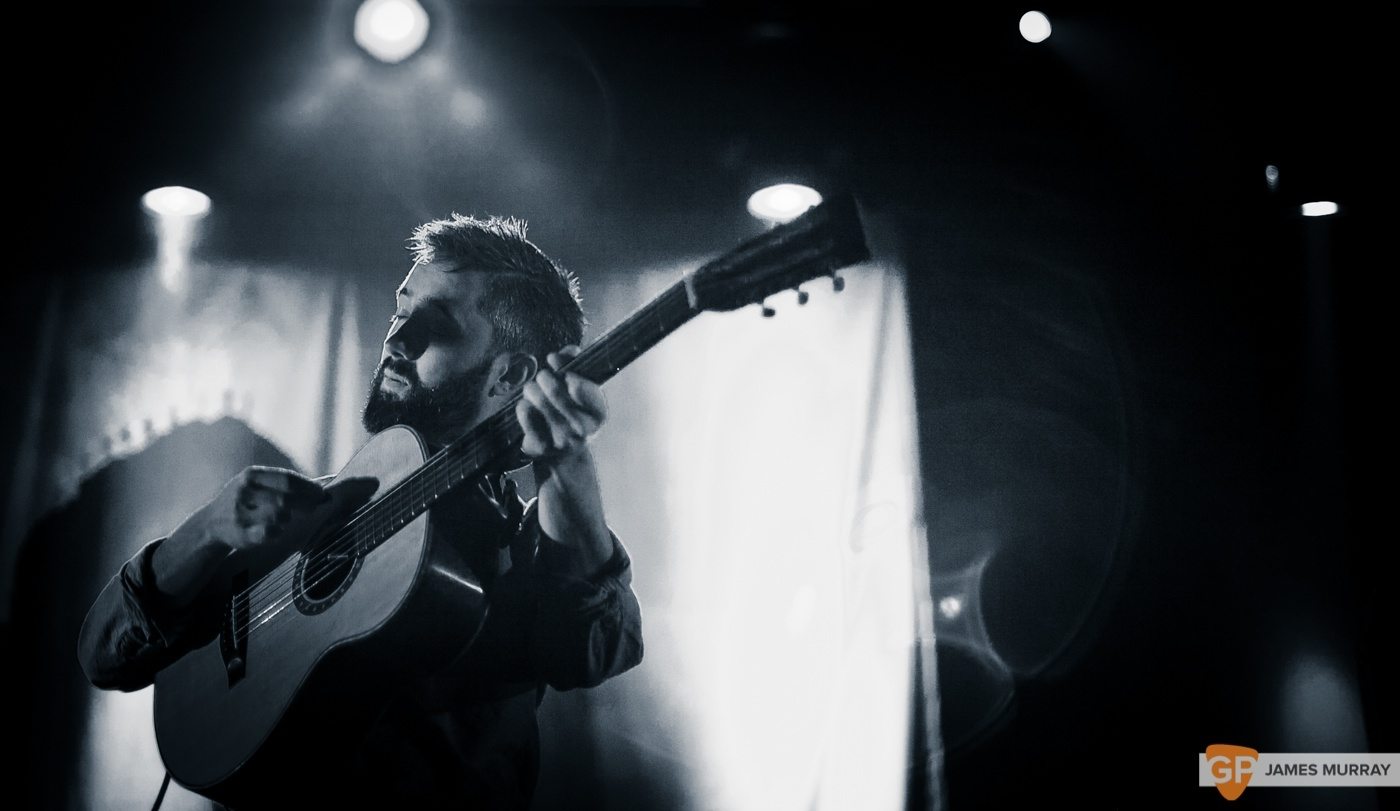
{"points": [[254, 507], [252, 512]]}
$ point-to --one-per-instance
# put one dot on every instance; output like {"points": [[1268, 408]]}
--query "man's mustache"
{"points": [[401, 368]]}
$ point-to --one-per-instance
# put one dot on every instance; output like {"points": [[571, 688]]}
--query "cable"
{"points": [[165, 784]]}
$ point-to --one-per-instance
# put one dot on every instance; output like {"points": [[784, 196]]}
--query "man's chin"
{"points": [[444, 411], [382, 412]]}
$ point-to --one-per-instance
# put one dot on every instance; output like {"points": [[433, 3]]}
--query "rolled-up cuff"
{"points": [[565, 560], [150, 608]]}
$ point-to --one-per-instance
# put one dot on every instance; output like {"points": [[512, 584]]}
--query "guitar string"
{"points": [[324, 558], [318, 570], [378, 522], [314, 572], [316, 565], [312, 576], [501, 419]]}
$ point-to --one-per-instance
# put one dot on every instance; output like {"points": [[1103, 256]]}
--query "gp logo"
{"points": [[1231, 766]]}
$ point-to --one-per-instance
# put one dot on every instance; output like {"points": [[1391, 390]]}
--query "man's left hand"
{"points": [[559, 411]]}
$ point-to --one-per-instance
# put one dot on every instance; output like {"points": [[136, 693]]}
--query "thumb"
{"points": [[348, 495]]}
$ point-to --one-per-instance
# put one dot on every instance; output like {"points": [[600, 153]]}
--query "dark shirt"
{"points": [[465, 737]]}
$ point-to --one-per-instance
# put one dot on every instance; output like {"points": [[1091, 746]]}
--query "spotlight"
{"points": [[391, 30], [175, 201], [176, 210], [1321, 208], [783, 202], [1035, 27]]}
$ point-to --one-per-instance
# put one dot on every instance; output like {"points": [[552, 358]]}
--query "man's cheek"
{"points": [[426, 375]]}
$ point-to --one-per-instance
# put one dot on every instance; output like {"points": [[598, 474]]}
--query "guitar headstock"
{"points": [[825, 239]]}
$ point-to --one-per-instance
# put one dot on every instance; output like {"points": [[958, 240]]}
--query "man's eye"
{"points": [[434, 326]]}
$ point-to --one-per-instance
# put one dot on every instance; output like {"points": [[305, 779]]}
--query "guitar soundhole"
{"points": [[327, 583], [322, 578]]}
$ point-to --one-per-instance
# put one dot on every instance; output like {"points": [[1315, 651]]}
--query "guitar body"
{"points": [[249, 712]]}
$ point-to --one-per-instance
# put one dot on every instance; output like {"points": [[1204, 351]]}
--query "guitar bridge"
{"points": [[233, 634]]}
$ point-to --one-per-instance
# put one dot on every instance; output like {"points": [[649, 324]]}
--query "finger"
{"points": [[588, 395], [355, 490], [557, 424], [343, 497], [255, 534], [287, 482], [256, 496], [544, 437], [536, 428], [563, 356], [256, 500], [564, 405]]}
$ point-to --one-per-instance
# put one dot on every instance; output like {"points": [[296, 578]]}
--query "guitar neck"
{"points": [[628, 340], [500, 434], [826, 238], [497, 438]]}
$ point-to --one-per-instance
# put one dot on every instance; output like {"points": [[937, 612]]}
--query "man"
{"points": [[477, 312]]}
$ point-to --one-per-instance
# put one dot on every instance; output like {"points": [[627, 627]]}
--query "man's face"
{"points": [[434, 367]]}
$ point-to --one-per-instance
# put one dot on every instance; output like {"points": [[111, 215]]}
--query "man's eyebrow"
{"points": [[441, 304]]}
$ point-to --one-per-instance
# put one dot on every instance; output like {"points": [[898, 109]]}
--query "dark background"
{"points": [[1149, 392]]}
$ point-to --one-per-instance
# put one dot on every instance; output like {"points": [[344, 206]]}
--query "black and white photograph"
{"points": [[699, 406]]}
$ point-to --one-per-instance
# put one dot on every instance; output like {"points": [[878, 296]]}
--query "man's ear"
{"points": [[511, 371]]}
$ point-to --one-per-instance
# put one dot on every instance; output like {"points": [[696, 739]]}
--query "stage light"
{"points": [[175, 201], [1035, 27], [783, 202], [391, 30], [176, 210], [1271, 177], [1321, 208]]}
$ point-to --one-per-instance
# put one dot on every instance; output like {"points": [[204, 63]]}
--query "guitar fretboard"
{"points": [[484, 446]]}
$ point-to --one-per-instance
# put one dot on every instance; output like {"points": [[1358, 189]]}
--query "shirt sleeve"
{"points": [[587, 629], [131, 631]]}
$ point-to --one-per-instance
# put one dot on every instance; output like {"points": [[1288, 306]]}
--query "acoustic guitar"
{"points": [[312, 645]]}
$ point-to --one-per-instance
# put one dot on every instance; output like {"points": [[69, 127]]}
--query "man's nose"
{"points": [[406, 339]]}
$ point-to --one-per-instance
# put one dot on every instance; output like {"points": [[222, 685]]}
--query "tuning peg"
{"points": [[837, 283], [801, 295], [769, 312]]}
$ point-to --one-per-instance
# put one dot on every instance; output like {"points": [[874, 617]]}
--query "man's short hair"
{"points": [[532, 304]]}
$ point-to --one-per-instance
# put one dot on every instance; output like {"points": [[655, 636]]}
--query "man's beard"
{"points": [[440, 413]]}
